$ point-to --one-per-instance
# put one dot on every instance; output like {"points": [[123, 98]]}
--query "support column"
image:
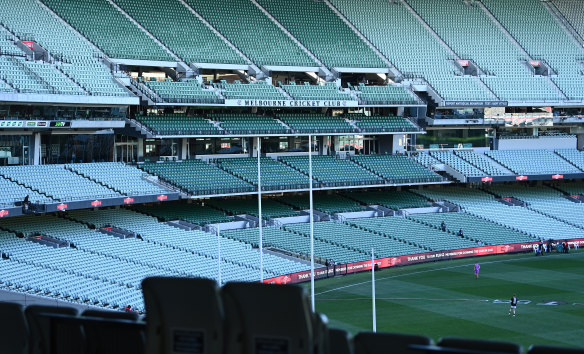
{"points": [[184, 150], [140, 149], [35, 149]]}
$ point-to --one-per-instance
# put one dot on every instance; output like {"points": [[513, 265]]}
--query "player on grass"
{"points": [[477, 269], [513, 305]]}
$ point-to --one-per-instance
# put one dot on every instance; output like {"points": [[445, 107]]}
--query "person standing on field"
{"points": [[477, 269], [513, 305]]}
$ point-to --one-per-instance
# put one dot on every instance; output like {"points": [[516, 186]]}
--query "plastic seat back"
{"points": [[267, 318], [185, 315], [372, 343], [58, 336], [13, 328], [113, 338]]}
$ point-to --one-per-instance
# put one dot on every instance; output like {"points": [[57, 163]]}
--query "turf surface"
{"points": [[444, 299]]}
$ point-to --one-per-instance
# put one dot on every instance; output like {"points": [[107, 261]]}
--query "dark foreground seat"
{"points": [[266, 318], [478, 345], [46, 336], [546, 349], [340, 342], [120, 336], [374, 343], [185, 315], [13, 328]]}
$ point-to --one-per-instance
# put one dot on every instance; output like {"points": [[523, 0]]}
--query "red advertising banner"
{"points": [[535, 63], [29, 44], [558, 176], [356, 267], [463, 63]]}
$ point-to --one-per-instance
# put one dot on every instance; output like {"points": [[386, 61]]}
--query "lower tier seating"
{"points": [[197, 177]]}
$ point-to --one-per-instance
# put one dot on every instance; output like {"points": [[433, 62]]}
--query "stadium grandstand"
{"points": [[227, 143]]}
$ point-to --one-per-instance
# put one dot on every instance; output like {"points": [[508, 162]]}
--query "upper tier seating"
{"points": [[248, 124], [316, 123], [485, 206], [169, 124], [194, 213], [275, 175], [391, 38], [14, 192], [532, 162], [571, 9], [189, 91], [245, 29], [385, 95], [5, 87], [55, 78], [317, 27], [549, 42], [328, 91], [108, 29], [474, 227], [391, 199], [332, 171], [181, 31], [127, 180], [575, 157], [259, 90], [8, 45], [270, 207], [481, 161], [358, 239], [198, 178], [425, 159], [327, 203], [63, 43], [57, 182], [494, 53], [397, 169], [12, 72], [382, 123], [93, 77], [416, 234], [545, 200], [458, 163]]}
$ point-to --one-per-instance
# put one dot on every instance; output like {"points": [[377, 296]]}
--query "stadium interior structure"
{"points": [[130, 133]]}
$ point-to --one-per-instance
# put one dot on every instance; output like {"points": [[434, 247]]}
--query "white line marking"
{"points": [[439, 269]]}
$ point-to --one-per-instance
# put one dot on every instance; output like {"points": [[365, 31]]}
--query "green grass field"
{"points": [[444, 299]]}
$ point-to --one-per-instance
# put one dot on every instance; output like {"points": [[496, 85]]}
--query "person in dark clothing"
{"points": [[129, 308], [541, 248], [443, 226], [513, 305], [25, 204], [460, 233]]}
